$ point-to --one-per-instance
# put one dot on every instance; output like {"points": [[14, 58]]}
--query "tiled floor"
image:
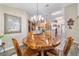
{"points": [[73, 51], [10, 52]]}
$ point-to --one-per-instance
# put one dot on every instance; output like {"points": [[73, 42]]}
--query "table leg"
{"points": [[42, 52]]}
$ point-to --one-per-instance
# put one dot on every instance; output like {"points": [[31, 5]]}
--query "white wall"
{"points": [[16, 12], [77, 22], [71, 12]]}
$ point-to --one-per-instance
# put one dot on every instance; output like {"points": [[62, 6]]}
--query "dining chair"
{"points": [[48, 34], [64, 52], [23, 52], [29, 34]]}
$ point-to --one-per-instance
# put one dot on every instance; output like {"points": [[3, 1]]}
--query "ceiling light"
{"points": [[37, 18], [58, 18], [55, 13]]}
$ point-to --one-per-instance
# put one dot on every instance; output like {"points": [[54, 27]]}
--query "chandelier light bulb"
{"points": [[36, 18]]}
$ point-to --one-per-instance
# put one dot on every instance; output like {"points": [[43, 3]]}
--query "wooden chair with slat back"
{"points": [[24, 52], [29, 34], [48, 34], [16, 46], [68, 45], [65, 51]]}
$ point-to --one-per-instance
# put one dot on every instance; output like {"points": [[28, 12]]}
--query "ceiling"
{"points": [[44, 9]]}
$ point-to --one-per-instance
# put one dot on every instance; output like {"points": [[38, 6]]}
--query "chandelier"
{"points": [[37, 18]]}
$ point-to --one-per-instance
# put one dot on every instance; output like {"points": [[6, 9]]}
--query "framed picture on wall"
{"points": [[12, 24]]}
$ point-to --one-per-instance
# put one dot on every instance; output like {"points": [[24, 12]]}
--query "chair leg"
{"points": [[50, 54], [42, 52]]}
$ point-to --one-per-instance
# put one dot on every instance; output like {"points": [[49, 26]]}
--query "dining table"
{"points": [[41, 42]]}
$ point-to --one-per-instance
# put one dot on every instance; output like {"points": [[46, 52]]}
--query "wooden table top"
{"points": [[41, 42]]}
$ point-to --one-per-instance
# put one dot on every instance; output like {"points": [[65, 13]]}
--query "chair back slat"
{"points": [[16, 46], [67, 46], [48, 34]]}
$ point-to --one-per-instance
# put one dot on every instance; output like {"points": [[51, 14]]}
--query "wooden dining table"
{"points": [[41, 42]]}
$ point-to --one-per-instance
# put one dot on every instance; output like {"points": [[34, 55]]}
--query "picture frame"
{"points": [[12, 24]]}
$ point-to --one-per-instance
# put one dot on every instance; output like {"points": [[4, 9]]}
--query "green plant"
{"points": [[1, 35]]}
